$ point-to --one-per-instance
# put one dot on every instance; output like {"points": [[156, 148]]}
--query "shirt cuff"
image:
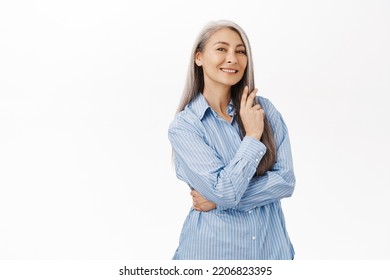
{"points": [[252, 150]]}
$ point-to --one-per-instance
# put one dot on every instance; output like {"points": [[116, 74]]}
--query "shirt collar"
{"points": [[199, 106]]}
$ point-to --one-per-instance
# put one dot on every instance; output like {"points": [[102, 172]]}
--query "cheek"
{"points": [[243, 62], [213, 60]]}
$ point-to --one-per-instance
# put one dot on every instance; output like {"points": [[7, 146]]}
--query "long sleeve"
{"points": [[277, 183], [201, 167], [211, 157]]}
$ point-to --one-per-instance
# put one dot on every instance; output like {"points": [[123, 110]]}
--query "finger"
{"points": [[193, 193], [256, 107], [251, 98], [244, 96], [262, 112]]}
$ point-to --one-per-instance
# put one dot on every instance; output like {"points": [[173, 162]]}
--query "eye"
{"points": [[241, 52], [221, 49]]}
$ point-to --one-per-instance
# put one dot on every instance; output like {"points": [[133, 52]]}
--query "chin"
{"points": [[231, 83]]}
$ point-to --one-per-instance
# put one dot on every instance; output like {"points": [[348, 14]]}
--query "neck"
{"points": [[218, 98]]}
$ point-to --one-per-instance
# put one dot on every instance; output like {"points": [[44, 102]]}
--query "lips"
{"points": [[227, 70]]}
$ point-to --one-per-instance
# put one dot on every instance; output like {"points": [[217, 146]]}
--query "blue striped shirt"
{"points": [[211, 157]]}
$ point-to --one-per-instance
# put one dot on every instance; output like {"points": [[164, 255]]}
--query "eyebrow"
{"points": [[226, 43]]}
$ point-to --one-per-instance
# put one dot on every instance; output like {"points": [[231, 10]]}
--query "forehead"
{"points": [[226, 35]]}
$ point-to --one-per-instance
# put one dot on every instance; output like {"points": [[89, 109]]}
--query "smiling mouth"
{"points": [[229, 70]]}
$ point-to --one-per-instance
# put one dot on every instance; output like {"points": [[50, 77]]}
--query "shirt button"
{"points": [[253, 237], [249, 179], [250, 212], [257, 160]]}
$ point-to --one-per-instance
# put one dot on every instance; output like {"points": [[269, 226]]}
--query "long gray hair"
{"points": [[195, 84]]}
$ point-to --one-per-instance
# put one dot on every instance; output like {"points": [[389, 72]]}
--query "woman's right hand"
{"points": [[252, 116], [199, 203]]}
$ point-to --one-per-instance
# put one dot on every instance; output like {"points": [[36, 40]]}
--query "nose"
{"points": [[231, 58]]}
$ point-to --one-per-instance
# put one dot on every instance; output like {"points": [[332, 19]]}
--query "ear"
{"points": [[198, 58]]}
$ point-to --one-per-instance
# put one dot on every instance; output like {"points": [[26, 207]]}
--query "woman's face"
{"points": [[223, 59]]}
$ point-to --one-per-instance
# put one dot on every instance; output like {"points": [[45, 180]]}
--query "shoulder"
{"points": [[185, 120], [273, 115], [268, 107]]}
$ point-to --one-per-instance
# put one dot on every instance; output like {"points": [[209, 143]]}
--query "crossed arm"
{"points": [[231, 186], [274, 185]]}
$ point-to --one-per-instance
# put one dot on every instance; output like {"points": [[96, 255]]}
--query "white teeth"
{"points": [[229, 70]]}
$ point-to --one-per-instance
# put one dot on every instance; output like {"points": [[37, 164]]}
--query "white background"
{"points": [[88, 89]]}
